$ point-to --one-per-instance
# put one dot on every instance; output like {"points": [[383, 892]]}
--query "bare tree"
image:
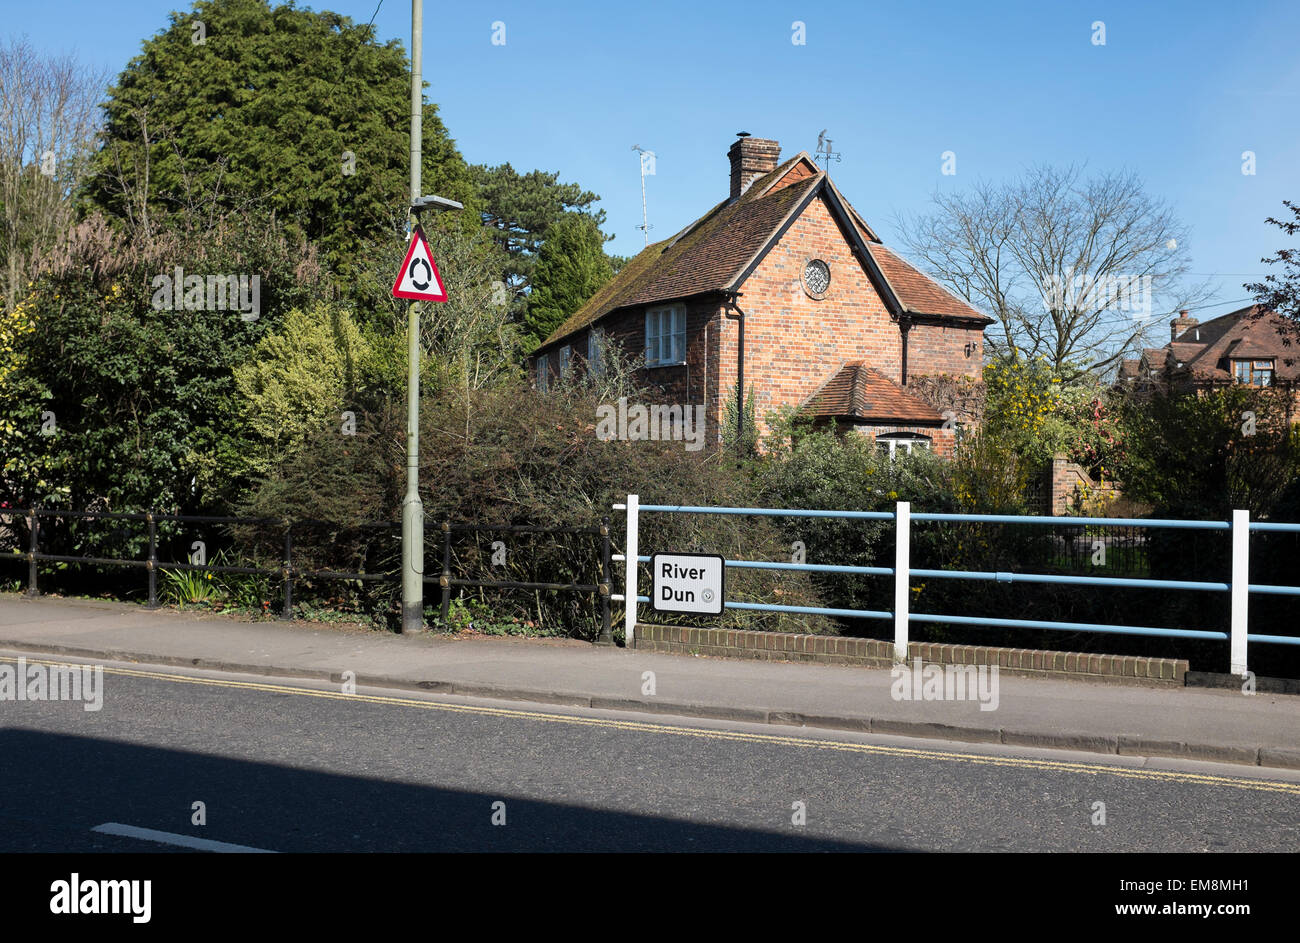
{"points": [[1075, 271], [49, 117]]}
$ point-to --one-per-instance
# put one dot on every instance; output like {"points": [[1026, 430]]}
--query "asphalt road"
{"points": [[294, 766]]}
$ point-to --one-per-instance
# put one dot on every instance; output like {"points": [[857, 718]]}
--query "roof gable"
{"points": [[799, 167], [1248, 333]]}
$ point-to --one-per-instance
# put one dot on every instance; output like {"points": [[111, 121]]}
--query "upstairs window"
{"points": [[1254, 372], [665, 336]]}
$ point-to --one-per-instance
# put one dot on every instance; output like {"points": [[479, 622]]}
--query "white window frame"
{"points": [[543, 372], [596, 351], [908, 440], [665, 334], [566, 356], [1255, 369]]}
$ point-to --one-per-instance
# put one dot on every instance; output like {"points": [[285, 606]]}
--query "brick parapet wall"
{"points": [[878, 653]]}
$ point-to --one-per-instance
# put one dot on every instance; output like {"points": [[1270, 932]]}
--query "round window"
{"points": [[816, 277]]}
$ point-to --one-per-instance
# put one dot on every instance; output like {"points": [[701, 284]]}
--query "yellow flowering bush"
{"points": [[1024, 399], [15, 324]]}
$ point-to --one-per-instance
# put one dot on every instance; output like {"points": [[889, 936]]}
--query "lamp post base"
{"points": [[412, 566]]}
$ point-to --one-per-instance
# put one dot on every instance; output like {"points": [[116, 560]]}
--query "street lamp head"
{"points": [[434, 203]]}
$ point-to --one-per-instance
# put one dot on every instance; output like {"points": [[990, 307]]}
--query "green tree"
{"points": [[519, 209], [299, 112], [141, 394], [1202, 455], [571, 267]]}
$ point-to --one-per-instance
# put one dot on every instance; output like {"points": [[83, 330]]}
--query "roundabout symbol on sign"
{"points": [[428, 275]]}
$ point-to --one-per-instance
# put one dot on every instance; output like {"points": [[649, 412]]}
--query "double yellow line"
{"points": [[1090, 769]]}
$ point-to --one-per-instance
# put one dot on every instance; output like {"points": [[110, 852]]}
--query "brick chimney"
{"points": [[751, 158], [1184, 322]]}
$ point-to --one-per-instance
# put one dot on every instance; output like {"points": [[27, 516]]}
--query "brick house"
{"points": [[1251, 346], [784, 289]]}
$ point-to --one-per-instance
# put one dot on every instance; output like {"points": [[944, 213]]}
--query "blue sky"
{"points": [[1177, 93]]}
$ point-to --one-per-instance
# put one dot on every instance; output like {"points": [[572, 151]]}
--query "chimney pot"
{"points": [[751, 158]]}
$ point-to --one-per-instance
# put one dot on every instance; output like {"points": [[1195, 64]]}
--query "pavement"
{"points": [[1215, 725]]}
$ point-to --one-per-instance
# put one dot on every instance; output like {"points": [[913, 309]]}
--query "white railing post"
{"points": [[1240, 591], [630, 564], [902, 566]]}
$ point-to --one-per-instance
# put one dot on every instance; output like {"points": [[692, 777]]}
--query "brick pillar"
{"points": [[1058, 484]]}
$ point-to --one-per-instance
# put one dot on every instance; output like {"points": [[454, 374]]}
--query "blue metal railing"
{"points": [[1239, 587]]}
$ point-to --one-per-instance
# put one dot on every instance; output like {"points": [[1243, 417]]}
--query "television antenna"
{"points": [[645, 226]]}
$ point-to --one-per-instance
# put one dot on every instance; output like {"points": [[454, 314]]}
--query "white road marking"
{"points": [[172, 838]]}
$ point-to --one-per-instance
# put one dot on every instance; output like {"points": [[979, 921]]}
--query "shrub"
{"points": [[827, 471], [506, 456]]}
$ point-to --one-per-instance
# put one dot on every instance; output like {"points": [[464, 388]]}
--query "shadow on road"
{"points": [[57, 787]]}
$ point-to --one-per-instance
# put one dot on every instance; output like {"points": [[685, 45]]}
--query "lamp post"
{"points": [[412, 507]]}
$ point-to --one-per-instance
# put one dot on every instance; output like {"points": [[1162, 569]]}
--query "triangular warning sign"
{"points": [[419, 279]]}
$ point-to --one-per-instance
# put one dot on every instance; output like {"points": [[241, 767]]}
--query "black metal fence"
{"points": [[601, 589], [287, 572]]}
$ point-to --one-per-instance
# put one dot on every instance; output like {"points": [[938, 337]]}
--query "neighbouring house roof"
{"points": [[1249, 333], [858, 392], [1155, 357], [717, 252], [1204, 353]]}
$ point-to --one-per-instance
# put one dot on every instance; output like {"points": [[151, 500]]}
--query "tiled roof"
{"points": [[1246, 334], [1156, 356], [918, 292], [706, 256], [1209, 332], [712, 254], [856, 391]]}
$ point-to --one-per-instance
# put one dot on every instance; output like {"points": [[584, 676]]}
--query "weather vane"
{"points": [[824, 152]]}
